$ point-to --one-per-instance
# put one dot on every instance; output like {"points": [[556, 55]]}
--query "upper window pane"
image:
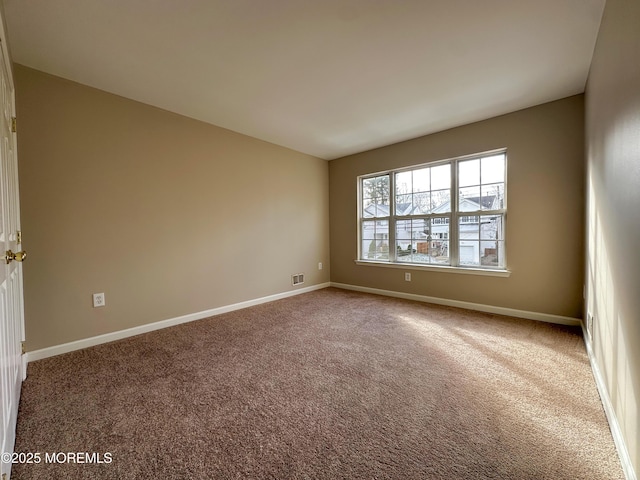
{"points": [[375, 196], [469, 199], [469, 173], [368, 187], [492, 169], [481, 184], [368, 208], [423, 191], [421, 203], [441, 201], [403, 183], [421, 180], [441, 177], [492, 196]]}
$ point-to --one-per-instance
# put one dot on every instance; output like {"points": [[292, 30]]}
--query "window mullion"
{"points": [[392, 218], [453, 222], [500, 211], [360, 207]]}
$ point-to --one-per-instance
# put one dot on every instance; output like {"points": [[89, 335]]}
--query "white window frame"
{"points": [[453, 217]]}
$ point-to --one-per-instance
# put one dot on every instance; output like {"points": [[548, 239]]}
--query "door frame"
{"points": [[13, 361]]}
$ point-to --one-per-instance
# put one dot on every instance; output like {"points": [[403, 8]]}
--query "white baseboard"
{"points": [[149, 327], [130, 332], [511, 312], [616, 432]]}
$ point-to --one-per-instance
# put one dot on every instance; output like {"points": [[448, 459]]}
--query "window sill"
{"points": [[436, 268]]}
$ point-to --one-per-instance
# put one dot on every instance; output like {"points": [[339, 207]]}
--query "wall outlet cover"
{"points": [[98, 300]]}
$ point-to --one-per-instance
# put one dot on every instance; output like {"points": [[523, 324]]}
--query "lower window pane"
{"points": [[437, 246], [422, 240], [408, 234], [481, 240], [491, 227], [483, 253], [492, 254], [375, 240], [468, 229], [469, 252]]}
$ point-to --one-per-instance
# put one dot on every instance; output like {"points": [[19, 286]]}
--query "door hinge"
{"points": [[18, 236], [14, 126], [24, 348]]}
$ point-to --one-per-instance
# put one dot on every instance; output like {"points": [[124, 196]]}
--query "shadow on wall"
{"points": [[607, 329]]}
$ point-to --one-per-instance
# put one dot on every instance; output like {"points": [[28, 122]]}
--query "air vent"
{"points": [[297, 279]]}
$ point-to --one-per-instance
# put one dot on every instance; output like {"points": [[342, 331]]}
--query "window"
{"points": [[446, 213]]}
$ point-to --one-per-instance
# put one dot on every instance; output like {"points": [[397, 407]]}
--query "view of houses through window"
{"points": [[449, 213]]}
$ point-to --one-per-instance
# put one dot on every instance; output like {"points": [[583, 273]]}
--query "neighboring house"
{"points": [[426, 240]]}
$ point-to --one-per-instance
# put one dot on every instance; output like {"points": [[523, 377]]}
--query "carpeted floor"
{"points": [[329, 384]]}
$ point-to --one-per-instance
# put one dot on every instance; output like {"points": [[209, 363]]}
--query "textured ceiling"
{"points": [[324, 77]]}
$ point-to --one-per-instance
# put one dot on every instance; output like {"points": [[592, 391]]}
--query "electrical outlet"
{"points": [[99, 300], [319, 265], [407, 276]]}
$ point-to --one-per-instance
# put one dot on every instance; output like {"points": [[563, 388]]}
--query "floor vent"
{"points": [[297, 279]]}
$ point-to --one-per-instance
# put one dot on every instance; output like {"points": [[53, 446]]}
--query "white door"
{"points": [[12, 370]]}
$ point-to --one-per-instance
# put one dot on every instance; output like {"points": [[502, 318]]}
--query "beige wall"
{"points": [[545, 147], [613, 236], [166, 215]]}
